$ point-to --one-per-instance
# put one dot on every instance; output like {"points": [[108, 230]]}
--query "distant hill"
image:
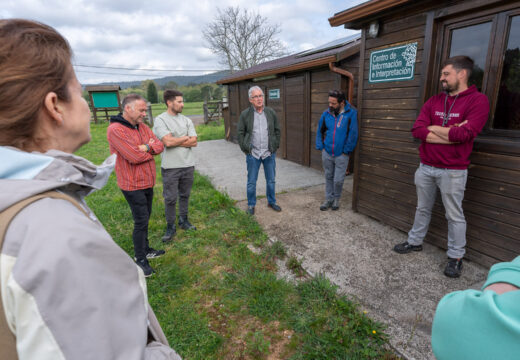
{"points": [[181, 80]]}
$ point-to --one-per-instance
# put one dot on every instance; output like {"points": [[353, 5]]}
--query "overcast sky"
{"points": [[166, 34]]}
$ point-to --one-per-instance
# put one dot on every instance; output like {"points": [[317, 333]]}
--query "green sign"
{"points": [[105, 99], [274, 93], [393, 64]]}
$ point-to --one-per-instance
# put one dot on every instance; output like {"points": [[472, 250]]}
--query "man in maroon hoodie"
{"points": [[447, 125]]}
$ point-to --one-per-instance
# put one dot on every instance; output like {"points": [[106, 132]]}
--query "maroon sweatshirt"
{"points": [[469, 105]]}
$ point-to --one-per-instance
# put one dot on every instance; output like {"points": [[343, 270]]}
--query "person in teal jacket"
{"points": [[473, 324], [336, 137]]}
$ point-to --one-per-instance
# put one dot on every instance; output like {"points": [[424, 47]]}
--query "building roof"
{"points": [[352, 18], [102, 88], [322, 55]]}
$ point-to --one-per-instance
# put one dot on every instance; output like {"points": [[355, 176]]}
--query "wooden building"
{"points": [[390, 95], [296, 87]]}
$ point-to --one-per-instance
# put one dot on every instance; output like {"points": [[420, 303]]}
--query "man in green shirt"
{"points": [[178, 135]]}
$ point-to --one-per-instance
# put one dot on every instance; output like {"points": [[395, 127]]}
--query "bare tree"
{"points": [[243, 38]]}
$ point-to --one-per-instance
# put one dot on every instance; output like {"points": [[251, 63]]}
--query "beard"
{"points": [[334, 110], [450, 88]]}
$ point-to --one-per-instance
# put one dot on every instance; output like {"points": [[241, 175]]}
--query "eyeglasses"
{"points": [[257, 97]]}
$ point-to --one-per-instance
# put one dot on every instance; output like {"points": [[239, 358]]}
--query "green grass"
{"points": [[212, 131], [193, 108], [217, 300]]}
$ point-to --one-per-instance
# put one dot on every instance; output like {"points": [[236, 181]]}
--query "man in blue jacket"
{"points": [[336, 138]]}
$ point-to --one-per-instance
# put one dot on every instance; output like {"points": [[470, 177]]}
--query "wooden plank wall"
{"points": [[388, 159]]}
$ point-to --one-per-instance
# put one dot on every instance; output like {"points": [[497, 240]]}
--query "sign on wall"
{"points": [[393, 64], [274, 93]]}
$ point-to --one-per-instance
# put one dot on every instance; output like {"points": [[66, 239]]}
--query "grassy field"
{"points": [[194, 108], [216, 299]]}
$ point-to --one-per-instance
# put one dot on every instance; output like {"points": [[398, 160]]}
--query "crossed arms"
{"points": [[440, 135], [185, 141]]}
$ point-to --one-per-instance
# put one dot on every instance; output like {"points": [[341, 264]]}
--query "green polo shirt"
{"points": [[178, 125]]}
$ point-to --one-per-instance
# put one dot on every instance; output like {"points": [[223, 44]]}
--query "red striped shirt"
{"points": [[135, 169]]}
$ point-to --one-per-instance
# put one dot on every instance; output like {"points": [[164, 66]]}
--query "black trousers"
{"points": [[140, 202]]}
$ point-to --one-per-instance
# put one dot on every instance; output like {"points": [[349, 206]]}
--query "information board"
{"points": [[104, 99], [393, 64], [274, 93]]}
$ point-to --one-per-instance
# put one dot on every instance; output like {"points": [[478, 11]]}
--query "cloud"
{"points": [[163, 34]]}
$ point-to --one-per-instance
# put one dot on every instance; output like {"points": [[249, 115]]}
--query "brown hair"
{"points": [[459, 63], [34, 60], [170, 95]]}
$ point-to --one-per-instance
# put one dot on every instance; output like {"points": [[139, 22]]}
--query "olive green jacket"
{"points": [[245, 129]]}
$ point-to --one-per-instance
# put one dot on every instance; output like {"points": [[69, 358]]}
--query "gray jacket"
{"points": [[68, 290]]}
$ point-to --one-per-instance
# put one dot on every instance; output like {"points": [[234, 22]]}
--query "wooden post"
{"points": [[149, 113], [205, 106]]}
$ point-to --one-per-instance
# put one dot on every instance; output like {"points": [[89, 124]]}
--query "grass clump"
{"points": [[275, 251], [215, 299], [295, 266]]}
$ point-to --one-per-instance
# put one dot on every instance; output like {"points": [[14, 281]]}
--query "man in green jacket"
{"points": [[259, 138]]}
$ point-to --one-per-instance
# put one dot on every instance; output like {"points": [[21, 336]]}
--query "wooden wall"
{"points": [[303, 98], [388, 156]]}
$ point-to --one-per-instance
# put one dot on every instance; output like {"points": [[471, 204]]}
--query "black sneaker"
{"points": [[145, 266], [453, 268], [152, 253], [335, 204], [185, 224], [169, 234], [405, 248]]}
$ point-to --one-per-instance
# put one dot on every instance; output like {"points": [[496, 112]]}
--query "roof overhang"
{"points": [[352, 18], [295, 67]]}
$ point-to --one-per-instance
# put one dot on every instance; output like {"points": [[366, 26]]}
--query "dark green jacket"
{"points": [[245, 129]]}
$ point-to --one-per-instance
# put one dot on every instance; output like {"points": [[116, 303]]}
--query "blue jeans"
{"points": [[253, 165], [452, 184]]}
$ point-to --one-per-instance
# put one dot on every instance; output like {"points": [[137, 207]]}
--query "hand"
{"points": [[143, 148], [501, 288], [462, 123]]}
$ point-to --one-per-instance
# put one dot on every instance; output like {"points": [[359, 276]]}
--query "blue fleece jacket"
{"points": [[336, 129], [475, 325]]}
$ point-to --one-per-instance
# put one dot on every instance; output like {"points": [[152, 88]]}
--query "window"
{"points": [[507, 112], [492, 40]]}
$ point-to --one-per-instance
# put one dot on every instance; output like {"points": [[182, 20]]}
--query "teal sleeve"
{"points": [[473, 324]]}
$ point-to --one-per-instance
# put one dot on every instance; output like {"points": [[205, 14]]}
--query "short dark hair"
{"points": [[170, 94], [130, 98], [339, 95], [461, 62]]}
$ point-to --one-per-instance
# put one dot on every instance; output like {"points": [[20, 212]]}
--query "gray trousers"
{"points": [[452, 184], [176, 182], [334, 167]]}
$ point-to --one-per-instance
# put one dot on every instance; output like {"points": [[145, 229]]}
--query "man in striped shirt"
{"points": [[135, 146]]}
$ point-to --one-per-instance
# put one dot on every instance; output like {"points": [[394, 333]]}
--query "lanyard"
{"points": [[446, 117]]}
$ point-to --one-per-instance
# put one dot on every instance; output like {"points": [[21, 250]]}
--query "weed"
{"points": [[257, 345], [275, 251], [295, 266]]}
